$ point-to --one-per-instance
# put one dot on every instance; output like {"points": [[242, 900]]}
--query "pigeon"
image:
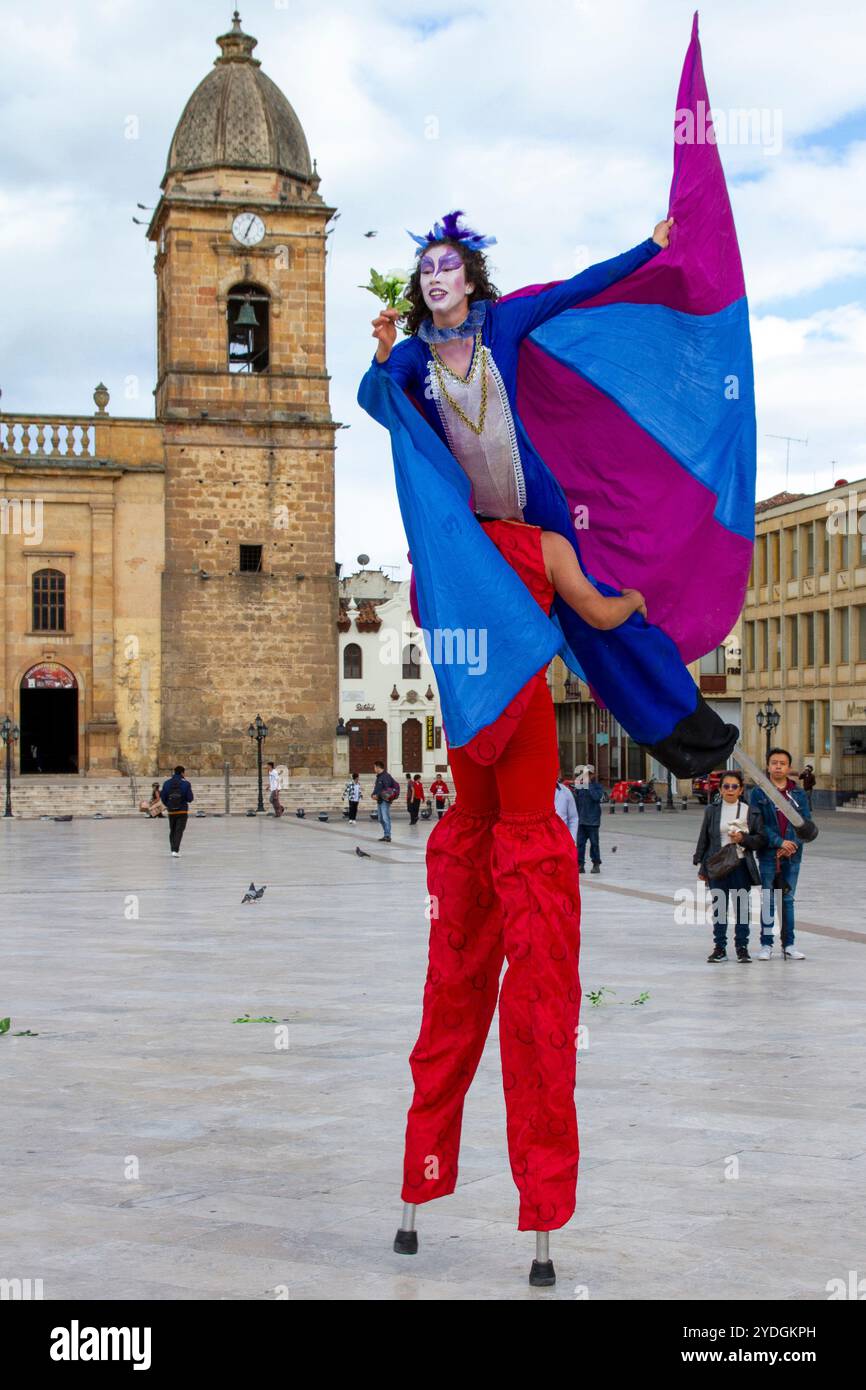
{"points": [[369, 234], [253, 894], [613, 849], [362, 853]]}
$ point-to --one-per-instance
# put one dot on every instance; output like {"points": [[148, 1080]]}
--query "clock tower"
{"points": [[249, 590]]}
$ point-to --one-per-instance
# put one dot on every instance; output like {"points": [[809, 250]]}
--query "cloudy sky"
{"points": [[550, 123]]}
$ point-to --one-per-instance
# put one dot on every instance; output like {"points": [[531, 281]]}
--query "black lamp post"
{"points": [[768, 718], [259, 731], [10, 734]]}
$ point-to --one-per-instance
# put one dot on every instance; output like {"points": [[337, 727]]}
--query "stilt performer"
{"points": [[575, 468]]}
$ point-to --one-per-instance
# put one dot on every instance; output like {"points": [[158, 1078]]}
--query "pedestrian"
{"points": [[418, 798], [176, 794], [566, 806], [779, 863], [352, 793], [410, 795], [385, 790], [588, 794], [807, 777], [274, 786], [733, 825], [439, 790]]}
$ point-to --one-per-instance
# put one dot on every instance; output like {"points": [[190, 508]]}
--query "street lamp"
{"points": [[10, 734], [768, 718], [259, 731]]}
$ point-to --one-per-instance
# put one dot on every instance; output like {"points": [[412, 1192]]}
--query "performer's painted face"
{"points": [[443, 278]]}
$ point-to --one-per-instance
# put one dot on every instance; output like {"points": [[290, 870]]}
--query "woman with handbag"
{"points": [[730, 834]]}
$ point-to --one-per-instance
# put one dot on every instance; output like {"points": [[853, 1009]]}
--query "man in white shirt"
{"points": [[274, 787], [566, 807]]}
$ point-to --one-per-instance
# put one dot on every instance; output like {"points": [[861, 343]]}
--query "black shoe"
{"points": [[743, 954], [719, 953], [596, 869], [581, 869], [386, 838]]}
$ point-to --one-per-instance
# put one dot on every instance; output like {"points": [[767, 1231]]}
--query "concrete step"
{"points": [[35, 796]]}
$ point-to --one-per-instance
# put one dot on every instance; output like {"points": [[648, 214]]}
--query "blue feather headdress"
{"points": [[449, 229]]}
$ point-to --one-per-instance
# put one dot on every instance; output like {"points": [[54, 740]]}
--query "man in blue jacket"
{"points": [[779, 864], [175, 796], [588, 794]]}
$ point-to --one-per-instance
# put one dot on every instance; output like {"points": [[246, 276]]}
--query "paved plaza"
{"points": [[154, 1148]]}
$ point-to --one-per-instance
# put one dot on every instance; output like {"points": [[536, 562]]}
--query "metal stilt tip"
{"points": [[542, 1274], [406, 1242]]}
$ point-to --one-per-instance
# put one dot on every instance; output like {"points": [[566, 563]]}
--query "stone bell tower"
{"points": [[249, 591]]}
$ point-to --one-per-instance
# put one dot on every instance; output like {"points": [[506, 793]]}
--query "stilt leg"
{"points": [[542, 1274], [406, 1239]]}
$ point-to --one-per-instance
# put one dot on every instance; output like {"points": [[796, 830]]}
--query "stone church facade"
{"points": [[162, 582]]}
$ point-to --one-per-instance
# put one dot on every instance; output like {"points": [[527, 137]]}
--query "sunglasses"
{"points": [[730, 786]]}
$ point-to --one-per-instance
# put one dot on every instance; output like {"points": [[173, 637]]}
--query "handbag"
{"points": [[723, 862]]}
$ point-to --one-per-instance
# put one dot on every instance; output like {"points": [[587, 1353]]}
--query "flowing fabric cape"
{"points": [[637, 406]]}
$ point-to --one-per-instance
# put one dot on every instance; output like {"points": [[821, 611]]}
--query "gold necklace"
{"points": [[439, 363]]}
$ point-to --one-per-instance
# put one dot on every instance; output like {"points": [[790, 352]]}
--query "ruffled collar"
{"points": [[473, 322]]}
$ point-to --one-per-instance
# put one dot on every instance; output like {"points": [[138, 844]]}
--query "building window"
{"points": [[824, 711], [763, 654], [809, 538], [861, 632], [862, 556], [248, 319], [761, 560], [250, 559], [713, 664], [49, 601], [793, 553], [809, 712], [774, 558], [844, 631], [809, 624], [412, 662], [844, 551], [793, 644], [352, 662], [775, 645], [824, 638], [750, 646], [825, 555]]}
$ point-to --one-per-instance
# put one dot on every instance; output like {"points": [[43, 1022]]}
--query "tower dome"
{"points": [[238, 118]]}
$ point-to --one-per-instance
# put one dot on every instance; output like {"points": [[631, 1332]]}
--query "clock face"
{"points": [[248, 228]]}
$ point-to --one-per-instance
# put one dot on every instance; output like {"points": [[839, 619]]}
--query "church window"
{"points": [[352, 667], [248, 328], [412, 662], [251, 559], [49, 601]]}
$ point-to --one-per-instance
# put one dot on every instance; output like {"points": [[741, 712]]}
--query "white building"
{"points": [[388, 696]]}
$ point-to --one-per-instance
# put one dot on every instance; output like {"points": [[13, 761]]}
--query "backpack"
{"points": [[176, 800], [390, 793]]}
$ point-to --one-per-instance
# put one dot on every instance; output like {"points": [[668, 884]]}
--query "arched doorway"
{"points": [[49, 719], [411, 750]]}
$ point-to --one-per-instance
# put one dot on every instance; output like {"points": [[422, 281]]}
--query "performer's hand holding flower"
{"points": [[385, 331], [661, 232]]}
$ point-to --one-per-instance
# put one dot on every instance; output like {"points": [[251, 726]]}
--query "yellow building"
{"points": [[162, 582], [804, 626]]}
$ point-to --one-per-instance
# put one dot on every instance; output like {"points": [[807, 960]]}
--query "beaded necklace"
{"points": [[477, 356]]}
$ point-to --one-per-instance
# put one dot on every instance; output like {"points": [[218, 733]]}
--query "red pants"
{"points": [[502, 878]]}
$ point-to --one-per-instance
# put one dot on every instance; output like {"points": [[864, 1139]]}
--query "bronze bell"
{"points": [[247, 316]]}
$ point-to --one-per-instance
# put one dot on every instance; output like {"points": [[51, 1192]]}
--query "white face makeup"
{"points": [[443, 279]]}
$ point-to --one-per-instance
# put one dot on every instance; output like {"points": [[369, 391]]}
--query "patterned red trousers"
{"points": [[502, 878]]}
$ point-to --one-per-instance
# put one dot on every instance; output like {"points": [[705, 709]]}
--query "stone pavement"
{"points": [[153, 1148]]}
